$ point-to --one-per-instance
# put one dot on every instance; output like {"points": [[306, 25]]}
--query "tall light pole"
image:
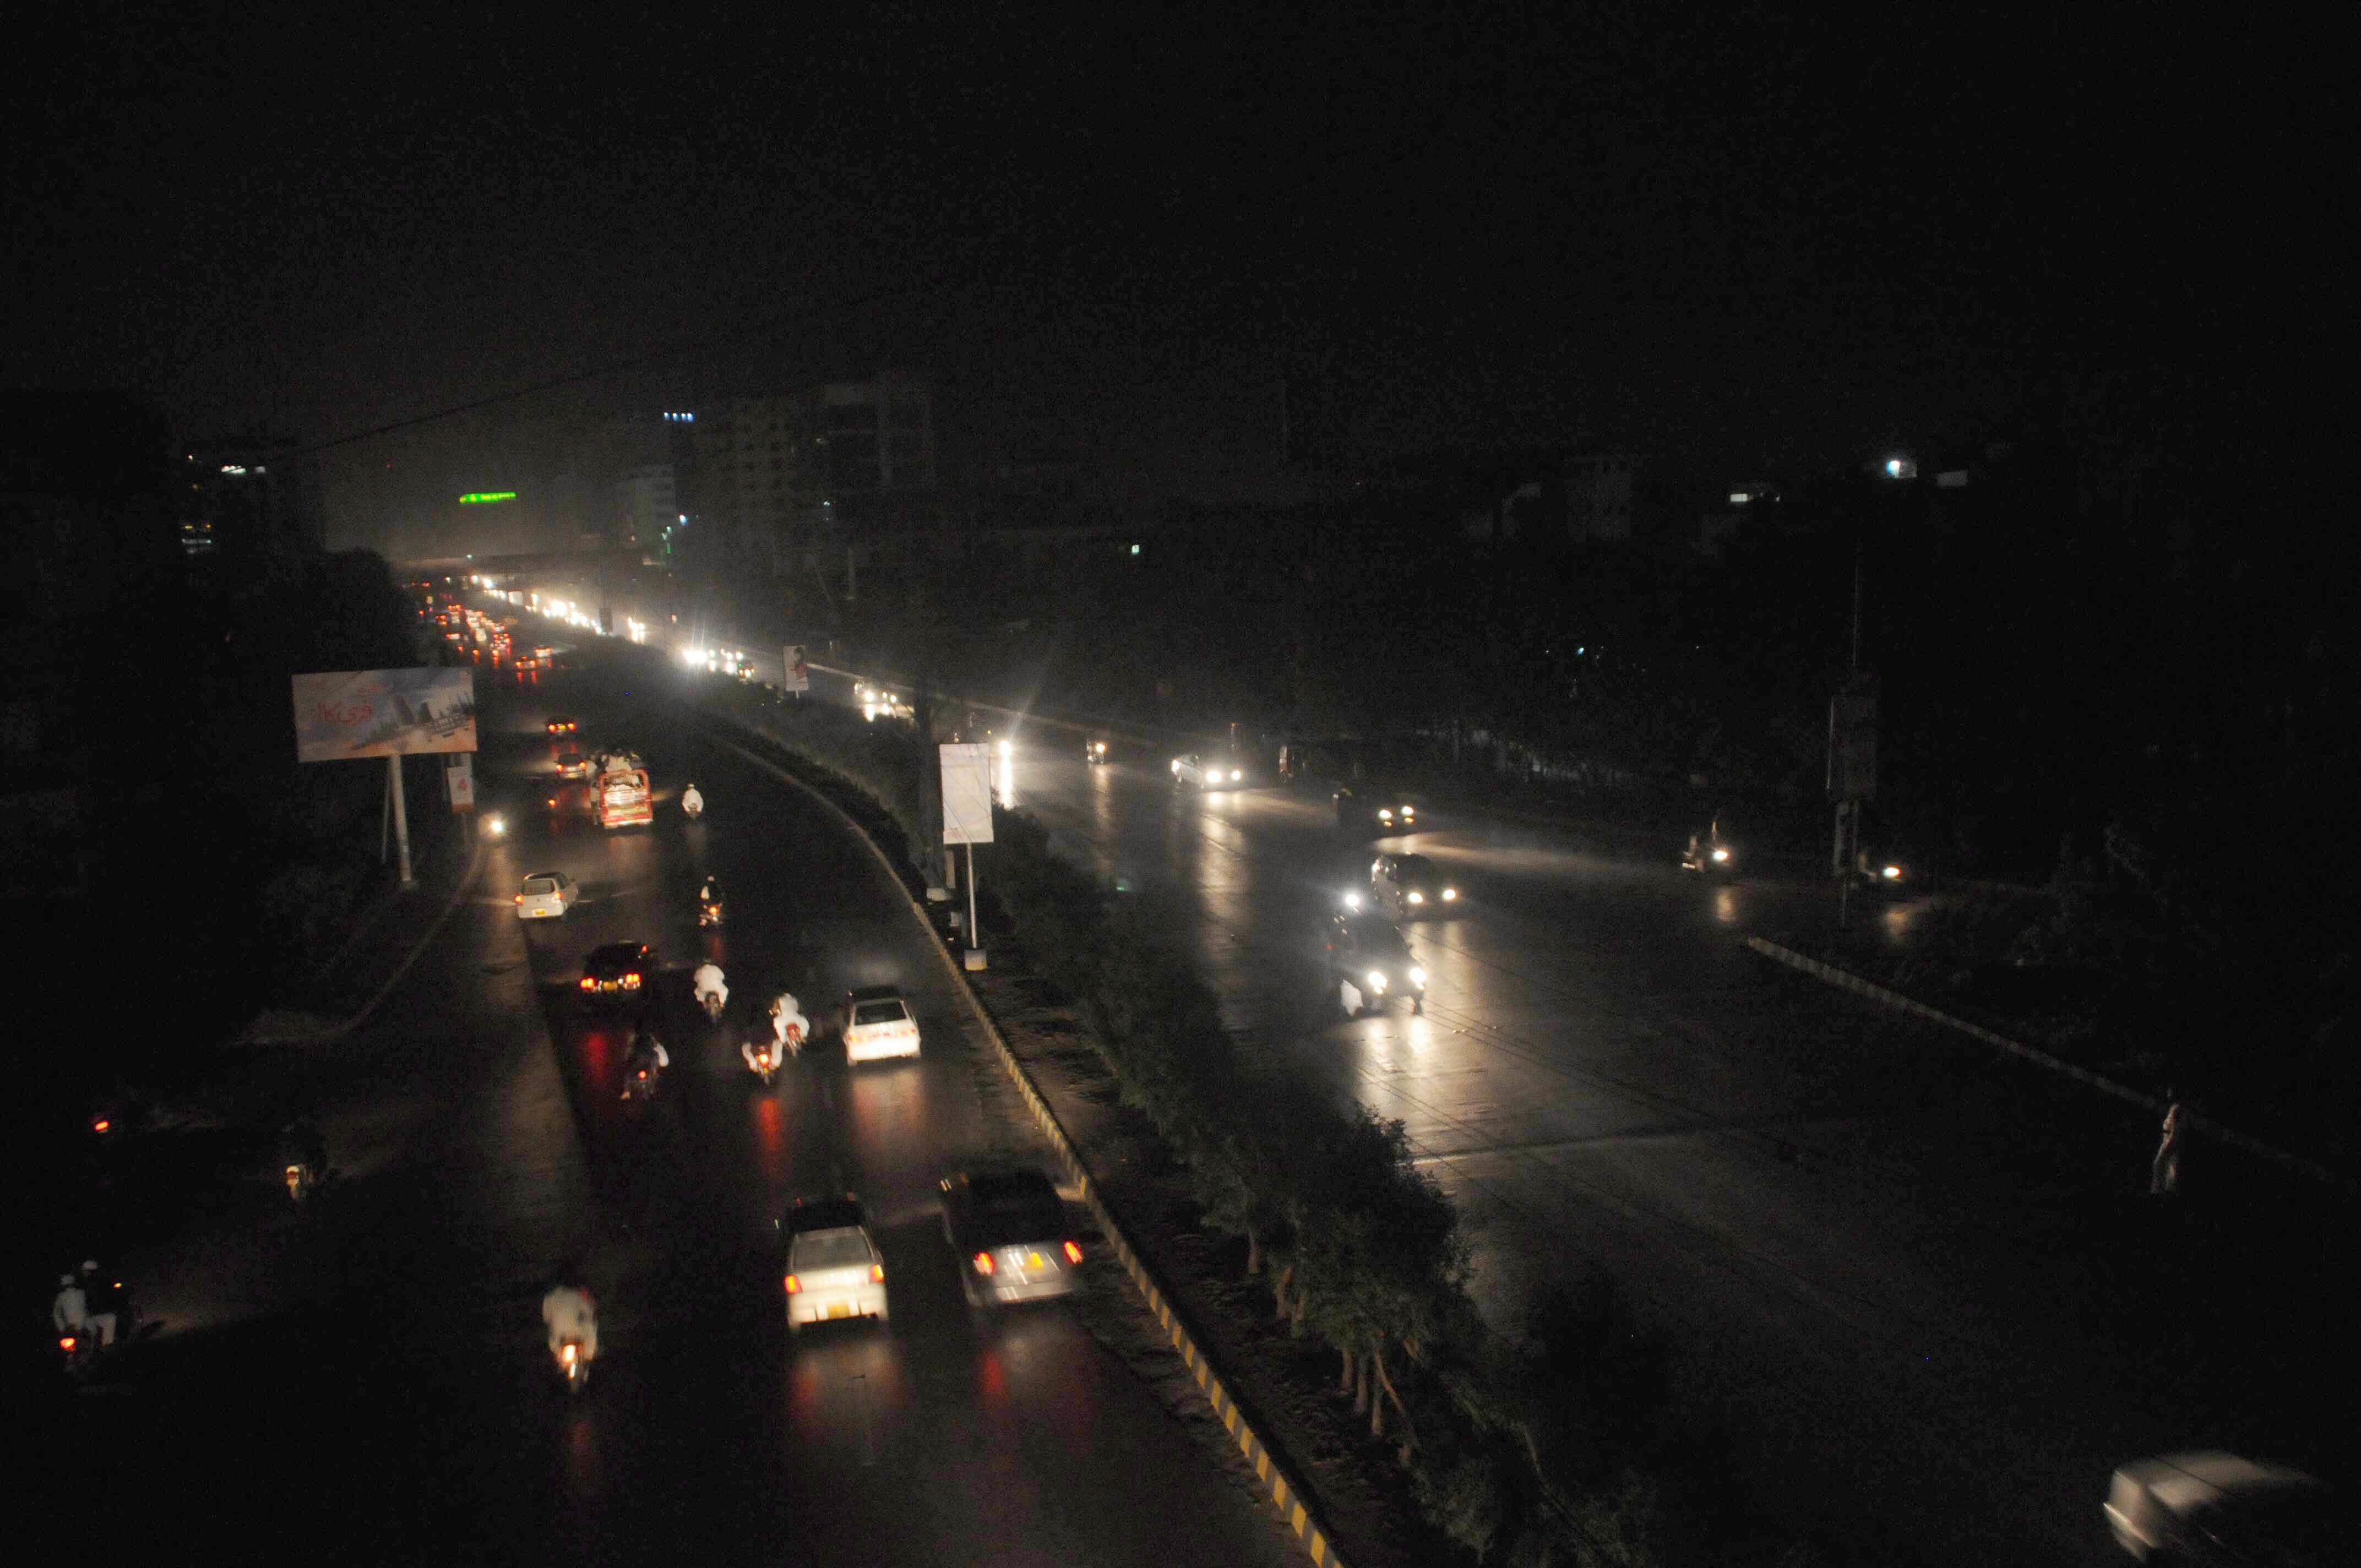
{"points": [[1852, 721]]}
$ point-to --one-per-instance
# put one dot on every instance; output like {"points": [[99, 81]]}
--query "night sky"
{"points": [[1753, 243]]}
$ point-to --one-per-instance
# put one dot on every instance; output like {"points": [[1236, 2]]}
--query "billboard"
{"points": [[967, 794], [798, 673], [345, 714]]}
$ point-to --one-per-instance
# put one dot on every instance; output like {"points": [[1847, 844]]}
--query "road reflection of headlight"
{"points": [[1377, 980], [1417, 975]]}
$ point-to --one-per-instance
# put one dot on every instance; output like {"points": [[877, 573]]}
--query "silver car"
{"points": [[834, 1270], [546, 896]]}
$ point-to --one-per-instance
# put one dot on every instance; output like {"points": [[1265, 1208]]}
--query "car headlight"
{"points": [[1352, 901], [1418, 898], [1176, 766], [1409, 812], [495, 825], [1893, 873], [1417, 976], [1385, 814], [1377, 980], [1237, 775], [1450, 893]]}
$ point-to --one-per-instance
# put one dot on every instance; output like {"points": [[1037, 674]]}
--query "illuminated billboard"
{"points": [[381, 713], [485, 498]]}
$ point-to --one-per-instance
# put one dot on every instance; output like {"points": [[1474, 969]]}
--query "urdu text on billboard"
{"points": [[379, 712]]}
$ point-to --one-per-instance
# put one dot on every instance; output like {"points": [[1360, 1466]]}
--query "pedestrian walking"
{"points": [[2164, 1174]]}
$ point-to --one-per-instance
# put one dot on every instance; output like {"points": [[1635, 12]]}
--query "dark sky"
{"points": [[1749, 240]]}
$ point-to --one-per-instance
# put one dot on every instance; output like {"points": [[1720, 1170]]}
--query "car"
{"points": [[1370, 813], [1209, 773], [618, 971], [559, 724], [1412, 886], [834, 1269], [2218, 1508], [1009, 1230], [877, 1023], [572, 763], [1369, 961], [546, 896], [879, 702]]}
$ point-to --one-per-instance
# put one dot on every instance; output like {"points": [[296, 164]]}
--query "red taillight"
{"points": [[795, 1285], [631, 982], [982, 1262], [1074, 1252], [67, 1344], [643, 1072], [590, 985], [877, 1274], [520, 897], [101, 1126]]}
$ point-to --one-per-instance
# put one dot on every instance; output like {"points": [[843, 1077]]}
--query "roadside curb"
{"points": [[1284, 1496], [1844, 980]]}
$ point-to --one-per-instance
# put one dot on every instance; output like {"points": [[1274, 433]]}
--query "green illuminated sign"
{"points": [[485, 498]]}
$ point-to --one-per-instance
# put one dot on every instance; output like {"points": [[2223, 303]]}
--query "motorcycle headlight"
{"points": [[1721, 854], [1417, 976], [1377, 979], [1892, 873]]}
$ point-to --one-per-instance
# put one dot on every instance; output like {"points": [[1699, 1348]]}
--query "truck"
{"points": [[621, 792]]}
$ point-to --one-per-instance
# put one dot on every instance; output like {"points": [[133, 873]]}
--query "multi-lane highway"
{"points": [[366, 1380], [1917, 1287]]}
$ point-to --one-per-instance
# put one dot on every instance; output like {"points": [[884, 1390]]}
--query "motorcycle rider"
{"points": [[69, 1312], [571, 1312], [788, 1022], [707, 981], [299, 1144], [692, 802], [646, 1051]]}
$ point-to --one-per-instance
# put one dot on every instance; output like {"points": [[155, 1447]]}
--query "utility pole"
{"points": [[401, 818]]}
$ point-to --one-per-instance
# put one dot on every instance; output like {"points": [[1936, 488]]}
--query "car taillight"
{"points": [[795, 1285], [631, 982], [877, 1274], [590, 985], [101, 1126], [982, 1262], [520, 898], [1074, 1252]]}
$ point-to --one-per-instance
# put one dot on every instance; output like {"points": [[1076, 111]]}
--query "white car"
{"points": [[2218, 1508], [547, 895], [878, 1024], [1209, 773], [833, 1268]]}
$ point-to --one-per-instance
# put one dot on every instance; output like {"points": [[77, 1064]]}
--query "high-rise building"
{"points": [[647, 506], [785, 474]]}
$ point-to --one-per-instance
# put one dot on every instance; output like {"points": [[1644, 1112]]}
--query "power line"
{"points": [[616, 367]]}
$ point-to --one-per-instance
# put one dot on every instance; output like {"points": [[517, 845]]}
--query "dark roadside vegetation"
{"points": [[207, 875]]}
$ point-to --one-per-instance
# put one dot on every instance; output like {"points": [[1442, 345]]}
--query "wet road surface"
{"points": [[366, 1380]]}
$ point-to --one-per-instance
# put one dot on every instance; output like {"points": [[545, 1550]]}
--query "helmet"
{"points": [[89, 1265], [65, 1278]]}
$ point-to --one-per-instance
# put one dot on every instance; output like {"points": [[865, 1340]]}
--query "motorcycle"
{"points": [[712, 1001], [709, 912], [642, 1083], [572, 1364], [763, 1063], [300, 1182], [1709, 856], [693, 808], [1095, 753], [77, 1352]]}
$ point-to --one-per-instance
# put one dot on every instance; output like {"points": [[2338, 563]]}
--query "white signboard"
{"points": [[798, 673], [967, 793], [459, 779], [384, 713]]}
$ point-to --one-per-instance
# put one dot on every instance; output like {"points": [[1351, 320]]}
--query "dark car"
{"points": [[1368, 812], [1009, 1230], [1369, 961], [1412, 886], [617, 971]]}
